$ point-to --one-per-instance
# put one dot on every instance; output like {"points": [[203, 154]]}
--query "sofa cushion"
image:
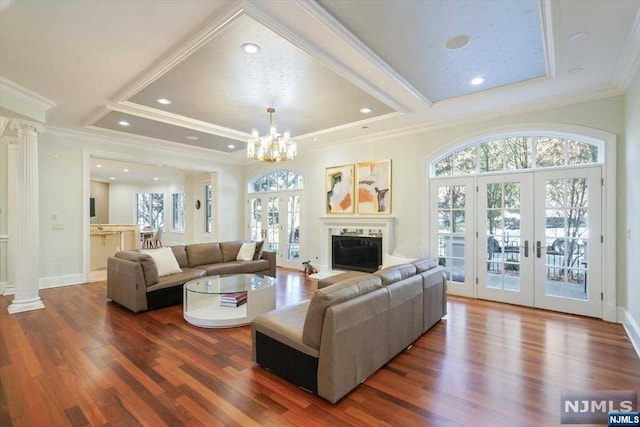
{"points": [[177, 279], [149, 268], [203, 253], [230, 250], [180, 253], [222, 268], [254, 266], [395, 273], [423, 265], [285, 325], [247, 251], [326, 297], [165, 261]]}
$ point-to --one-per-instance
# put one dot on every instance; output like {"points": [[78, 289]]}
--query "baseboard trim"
{"points": [[633, 331], [58, 281]]}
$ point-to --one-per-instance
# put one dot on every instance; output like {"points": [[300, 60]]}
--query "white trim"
{"points": [[58, 281], [22, 306], [86, 220], [548, 39], [326, 19], [26, 95], [629, 59], [7, 288], [632, 329]]}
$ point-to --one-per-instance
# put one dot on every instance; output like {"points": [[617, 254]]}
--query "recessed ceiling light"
{"points": [[457, 42], [192, 137], [576, 70], [231, 146], [123, 123], [98, 166], [250, 48], [315, 139], [163, 101], [155, 178], [366, 110], [477, 81], [125, 170], [112, 178], [577, 36]]}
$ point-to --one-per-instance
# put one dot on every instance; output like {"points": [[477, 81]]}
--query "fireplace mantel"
{"points": [[385, 223]]}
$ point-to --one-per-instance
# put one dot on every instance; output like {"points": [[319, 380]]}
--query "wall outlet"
{"points": [[57, 227]]}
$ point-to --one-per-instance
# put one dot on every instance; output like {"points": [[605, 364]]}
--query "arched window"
{"points": [[275, 211], [280, 180], [516, 153]]}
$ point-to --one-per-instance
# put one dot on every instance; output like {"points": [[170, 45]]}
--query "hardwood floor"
{"points": [[84, 361]]}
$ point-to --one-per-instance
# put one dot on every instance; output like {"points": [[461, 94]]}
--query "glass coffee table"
{"points": [[210, 302]]}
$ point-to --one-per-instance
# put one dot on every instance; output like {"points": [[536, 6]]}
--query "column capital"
{"points": [[26, 127], [8, 140]]}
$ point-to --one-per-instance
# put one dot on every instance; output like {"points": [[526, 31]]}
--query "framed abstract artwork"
{"points": [[339, 189], [374, 187]]}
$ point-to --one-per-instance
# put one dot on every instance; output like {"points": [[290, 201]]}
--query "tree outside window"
{"points": [[150, 209], [178, 210]]}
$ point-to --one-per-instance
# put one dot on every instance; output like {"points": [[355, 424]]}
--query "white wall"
{"points": [[3, 216], [410, 154], [630, 174]]}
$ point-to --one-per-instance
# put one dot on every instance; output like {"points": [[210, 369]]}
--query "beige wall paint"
{"points": [[629, 212], [100, 192], [3, 215]]}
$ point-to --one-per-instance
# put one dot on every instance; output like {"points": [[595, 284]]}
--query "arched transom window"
{"points": [[280, 180], [516, 153]]}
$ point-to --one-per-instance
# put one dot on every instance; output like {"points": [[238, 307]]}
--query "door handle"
{"points": [[538, 251], [526, 249]]}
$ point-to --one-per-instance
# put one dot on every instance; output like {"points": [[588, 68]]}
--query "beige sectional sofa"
{"points": [[349, 329], [133, 280]]}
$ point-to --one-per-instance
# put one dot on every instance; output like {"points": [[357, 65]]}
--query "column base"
{"points": [[9, 289], [20, 306]]}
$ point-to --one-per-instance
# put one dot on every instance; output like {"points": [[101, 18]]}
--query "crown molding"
{"points": [[32, 98], [496, 114], [177, 56], [630, 58], [348, 126], [142, 143], [326, 19], [547, 9]]}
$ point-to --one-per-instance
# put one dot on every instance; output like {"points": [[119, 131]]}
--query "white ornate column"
{"points": [[25, 231], [12, 211]]}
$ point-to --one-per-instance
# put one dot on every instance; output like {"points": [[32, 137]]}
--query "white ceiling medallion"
{"points": [[272, 148]]}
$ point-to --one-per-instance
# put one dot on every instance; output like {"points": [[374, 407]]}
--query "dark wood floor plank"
{"points": [[85, 361]]}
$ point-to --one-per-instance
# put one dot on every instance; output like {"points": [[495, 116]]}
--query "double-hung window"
{"points": [[150, 210]]}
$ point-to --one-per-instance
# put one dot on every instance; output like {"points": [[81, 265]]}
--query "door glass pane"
{"points": [[566, 238], [256, 219], [293, 228], [503, 236], [451, 228], [273, 225]]}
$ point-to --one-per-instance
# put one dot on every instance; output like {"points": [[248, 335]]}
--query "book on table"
{"points": [[233, 299]]}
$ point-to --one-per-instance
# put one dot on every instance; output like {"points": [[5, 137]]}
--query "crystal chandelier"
{"points": [[272, 148]]}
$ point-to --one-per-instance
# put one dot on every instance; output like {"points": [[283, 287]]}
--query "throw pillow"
{"points": [[165, 260], [389, 260], [259, 249], [247, 251]]}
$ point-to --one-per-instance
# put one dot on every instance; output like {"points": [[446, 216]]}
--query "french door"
{"points": [[275, 219], [531, 238], [538, 239]]}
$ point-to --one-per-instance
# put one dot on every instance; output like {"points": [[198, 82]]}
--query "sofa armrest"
{"points": [[271, 257], [126, 284]]}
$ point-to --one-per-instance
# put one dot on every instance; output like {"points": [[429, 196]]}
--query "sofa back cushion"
{"points": [[149, 268], [203, 253], [423, 265], [326, 297], [180, 253], [230, 250], [395, 273]]}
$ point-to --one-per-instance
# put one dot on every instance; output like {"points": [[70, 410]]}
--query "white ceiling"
{"points": [[116, 171], [102, 61]]}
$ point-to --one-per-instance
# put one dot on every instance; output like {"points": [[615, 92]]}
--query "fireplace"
{"points": [[359, 253]]}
